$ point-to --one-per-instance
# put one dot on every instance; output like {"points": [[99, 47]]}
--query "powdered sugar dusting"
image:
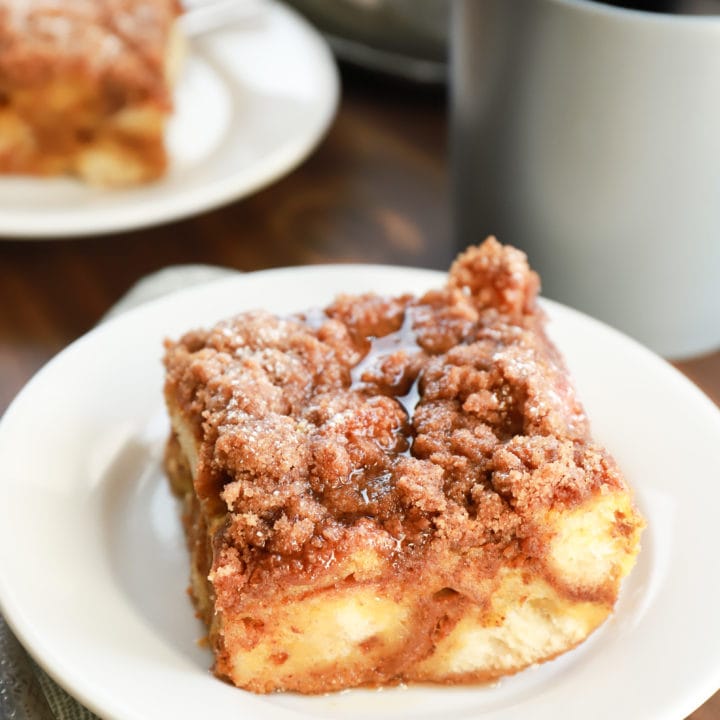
{"points": [[421, 417], [123, 41]]}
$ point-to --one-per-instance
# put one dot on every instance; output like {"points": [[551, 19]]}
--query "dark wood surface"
{"points": [[376, 190]]}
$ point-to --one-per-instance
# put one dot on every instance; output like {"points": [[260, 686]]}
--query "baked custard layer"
{"points": [[394, 489], [85, 87]]}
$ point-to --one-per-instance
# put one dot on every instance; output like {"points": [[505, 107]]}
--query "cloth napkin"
{"points": [[26, 691]]}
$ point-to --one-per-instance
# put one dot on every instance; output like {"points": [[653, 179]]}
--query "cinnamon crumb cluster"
{"points": [[405, 424], [118, 43]]}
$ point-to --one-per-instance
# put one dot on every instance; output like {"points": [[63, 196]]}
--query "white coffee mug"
{"points": [[589, 136]]}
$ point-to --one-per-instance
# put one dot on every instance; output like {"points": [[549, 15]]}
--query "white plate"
{"points": [[251, 103], [94, 567]]}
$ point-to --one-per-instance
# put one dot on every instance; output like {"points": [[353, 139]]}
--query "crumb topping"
{"points": [[394, 424], [118, 43]]}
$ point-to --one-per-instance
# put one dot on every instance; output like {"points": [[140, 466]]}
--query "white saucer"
{"points": [[93, 565], [252, 101]]}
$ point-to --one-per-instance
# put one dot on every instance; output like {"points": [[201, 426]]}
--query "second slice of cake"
{"points": [[85, 87], [394, 489]]}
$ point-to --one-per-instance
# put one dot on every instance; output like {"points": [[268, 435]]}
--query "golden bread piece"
{"points": [[85, 87], [394, 489]]}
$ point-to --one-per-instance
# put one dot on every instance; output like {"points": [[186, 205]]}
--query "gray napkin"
{"points": [[26, 691]]}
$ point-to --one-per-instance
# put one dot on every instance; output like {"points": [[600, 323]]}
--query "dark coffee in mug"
{"points": [[678, 7]]}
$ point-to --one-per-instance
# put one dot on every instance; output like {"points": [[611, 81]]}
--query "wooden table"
{"points": [[376, 190]]}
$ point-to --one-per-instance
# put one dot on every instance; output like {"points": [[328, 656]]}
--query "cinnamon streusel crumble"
{"points": [[85, 87], [394, 489]]}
